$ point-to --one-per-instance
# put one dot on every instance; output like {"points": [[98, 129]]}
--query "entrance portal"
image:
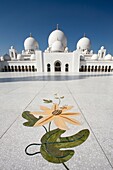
{"points": [[57, 66]]}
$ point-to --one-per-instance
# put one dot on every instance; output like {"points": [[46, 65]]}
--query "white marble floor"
{"points": [[91, 94]]}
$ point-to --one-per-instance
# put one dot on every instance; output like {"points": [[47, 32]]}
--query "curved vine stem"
{"points": [[31, 154], [45, 128], [49, 127], [59, 101], [65, 166]]}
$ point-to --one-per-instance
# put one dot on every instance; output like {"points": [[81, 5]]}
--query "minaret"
{"points": [[13, 53]]}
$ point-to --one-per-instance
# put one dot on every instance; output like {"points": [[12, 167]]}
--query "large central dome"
{"points": [[57, 47], [57, 35]]}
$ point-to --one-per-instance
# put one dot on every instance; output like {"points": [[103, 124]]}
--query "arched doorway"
{"points": [[5, 68], [99, 68], [22, 68], [19, 68], [29, 68], [102, 68], [88, 68], [16, 68], [12, 68], [109, 69], [66, 67], [92, 68], [48, 67], [85, 68], [82, 68], [57, 66], [9, 69], [33, 68], [95, 68], [26, 68], [106, 69]]}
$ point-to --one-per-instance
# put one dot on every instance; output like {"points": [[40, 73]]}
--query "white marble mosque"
{"points": [[57, 57]]}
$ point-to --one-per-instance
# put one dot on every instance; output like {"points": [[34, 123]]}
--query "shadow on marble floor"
{"points": [[51, 77]]}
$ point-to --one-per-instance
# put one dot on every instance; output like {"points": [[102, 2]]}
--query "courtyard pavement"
{"points": [[91, 94]]}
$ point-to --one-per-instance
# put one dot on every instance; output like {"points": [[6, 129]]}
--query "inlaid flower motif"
{"points": [[58, 114]]}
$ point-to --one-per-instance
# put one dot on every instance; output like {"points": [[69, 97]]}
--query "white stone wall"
{"points": [[104, 66], [22, 64], [19, 63], [97, 63], [39, 61], [44, 58], [0, 66], [63, 58], [76, 61]]}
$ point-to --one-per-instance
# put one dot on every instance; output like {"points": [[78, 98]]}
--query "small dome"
{"points": [[57, 35], [12, 47], [108, 57], [2, 58], [23, 51], [102, 48], [91, 52], [66, 49], [33, 57], [94, 57], [57, 46], [31, 44], [84, 44], [6, 57], [20, 57]]}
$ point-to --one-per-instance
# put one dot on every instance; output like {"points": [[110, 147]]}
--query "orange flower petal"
{"points": [[70, 120], [44, 120], [66, 108], [44, 108], [39, 113], [60, 123], [70, 114]]}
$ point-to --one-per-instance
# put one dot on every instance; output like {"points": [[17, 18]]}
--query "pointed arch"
{"points": [[57, 66]]}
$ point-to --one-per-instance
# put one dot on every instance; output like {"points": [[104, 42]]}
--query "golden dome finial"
{"points": [[57, 26], [84, 34]]}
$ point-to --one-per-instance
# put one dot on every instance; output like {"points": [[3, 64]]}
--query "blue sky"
{"points": [[19, 18]]}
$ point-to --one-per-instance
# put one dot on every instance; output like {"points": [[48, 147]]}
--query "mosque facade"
{"points": [[57, 57]]}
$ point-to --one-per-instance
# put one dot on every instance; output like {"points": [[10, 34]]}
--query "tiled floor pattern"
{"points": [[90, 94]]}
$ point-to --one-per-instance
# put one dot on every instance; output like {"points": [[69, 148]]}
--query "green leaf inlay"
{"points": [[47, 101], [31, 119], [52, 142]]}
